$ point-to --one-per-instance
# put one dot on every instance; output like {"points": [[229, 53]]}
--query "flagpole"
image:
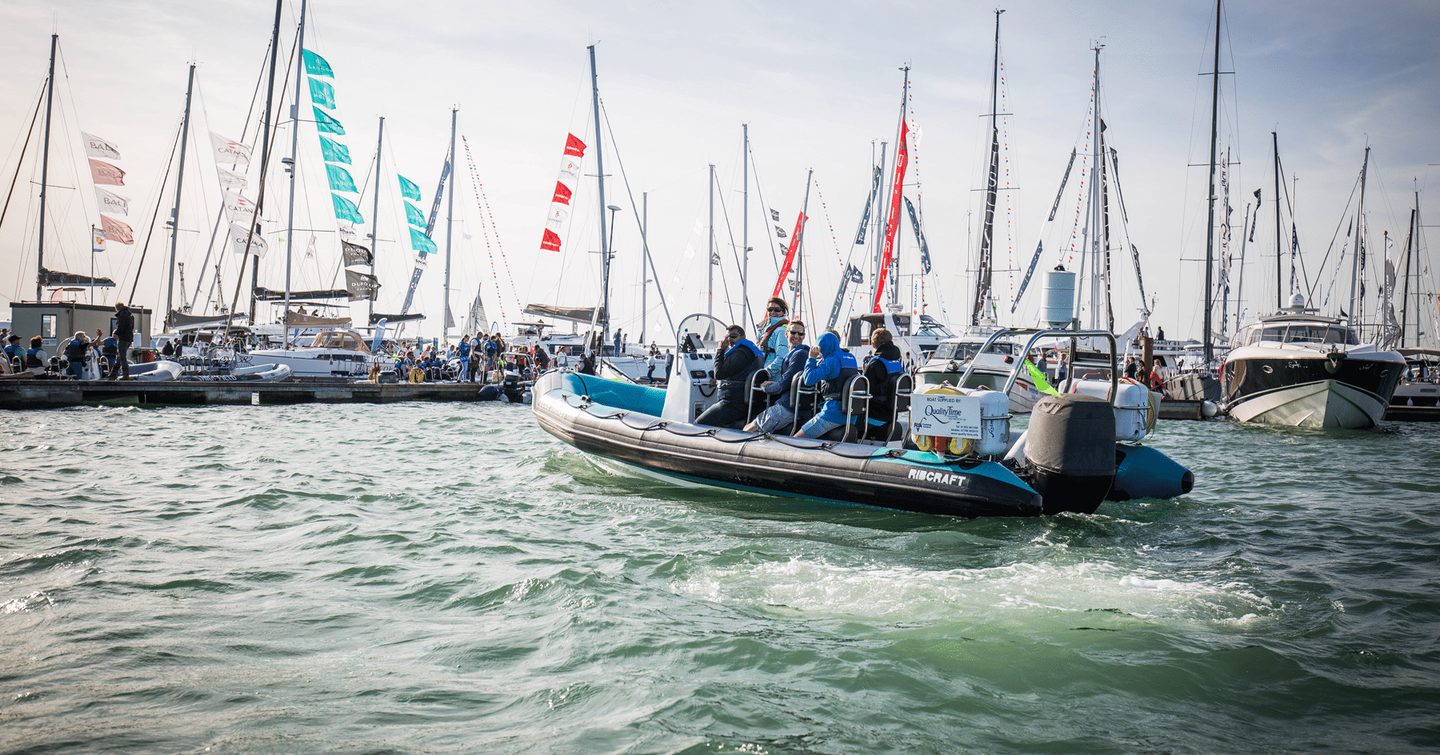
{"points": [[449, 220], [600, 176], [644, 265], [745, 222], [375, 217], [45, 172], [175, 210], [710, 260]]}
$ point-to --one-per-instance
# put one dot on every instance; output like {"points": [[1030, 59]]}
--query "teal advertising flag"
{"points": [[346, 210], [422, 243], [340, 179], [326, 123], [322, 94], [334, 152], [409, 189], [316, 65]]}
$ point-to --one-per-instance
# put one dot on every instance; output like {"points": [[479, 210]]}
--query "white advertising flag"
{"points": [[229, 150], [240, 235], [97, 147], [111, 202]]}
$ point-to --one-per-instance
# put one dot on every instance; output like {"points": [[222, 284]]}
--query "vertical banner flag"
{"points": [[97, 239], [564, 192], [869, 203], [790, 253], [919, 237], [892, 223]]}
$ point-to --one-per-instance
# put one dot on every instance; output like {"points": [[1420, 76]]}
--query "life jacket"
{"points": [[76, 350], [32, 358], [834, 390], [733, 389], [110, 347], [770, 331]]}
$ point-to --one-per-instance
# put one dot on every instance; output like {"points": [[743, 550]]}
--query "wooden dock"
{"points": [[53, 394]]}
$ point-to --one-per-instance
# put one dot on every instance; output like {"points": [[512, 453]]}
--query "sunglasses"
{"points": [[800, 333], [774, 309]]}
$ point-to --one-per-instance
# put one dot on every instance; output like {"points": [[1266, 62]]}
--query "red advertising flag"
{"points": [[105, 174], [550, 242], [117, 231], [790, 253], [902, 157], [573, 146], [562, 193]]}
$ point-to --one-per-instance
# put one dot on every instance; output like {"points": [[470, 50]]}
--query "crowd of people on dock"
{"points": [[479, 359]]}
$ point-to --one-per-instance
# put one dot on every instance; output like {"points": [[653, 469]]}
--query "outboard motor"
{"points": [[1070, 452], [512, 388]]}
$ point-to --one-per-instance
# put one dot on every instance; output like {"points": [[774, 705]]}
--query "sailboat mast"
{"points": [[644, 264], [800, 249], [1209, 353], [744, 222], [375, 214], [1095, 221], [1240, 287], [45, 170], [1279, 288], [710, 256], [895, 241], [294, 153], [175, 209], [992, 179], [449, 232], [600, 176], [1411, 247], [1355, 304]]}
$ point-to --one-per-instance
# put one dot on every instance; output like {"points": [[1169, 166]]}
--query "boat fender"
{"points": [[1070, 452], [1143, 472], [940, 444], [1333, 361]]}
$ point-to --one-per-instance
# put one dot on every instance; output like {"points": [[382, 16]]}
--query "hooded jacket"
{"points": [[832, 372]]}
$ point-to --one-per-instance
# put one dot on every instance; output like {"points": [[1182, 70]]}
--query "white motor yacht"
{"points": [[1299, 369], [332, 353]]}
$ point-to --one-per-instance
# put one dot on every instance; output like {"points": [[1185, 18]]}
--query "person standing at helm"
{"points": [[774, 344], [125, 335]]}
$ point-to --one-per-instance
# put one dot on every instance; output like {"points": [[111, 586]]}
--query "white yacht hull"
{"points": [[1327, 404], [312, 363]]}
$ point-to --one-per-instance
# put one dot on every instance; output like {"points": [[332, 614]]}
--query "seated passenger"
{"points": [[35, 357], [735, 361], [77, 350], [830, 368], [882, 369], [781, 413]]}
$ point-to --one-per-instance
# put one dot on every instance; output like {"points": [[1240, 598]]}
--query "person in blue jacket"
{"points": [[77, 350], [781, 414], [13, 350], [830, 368], [735, 361]]}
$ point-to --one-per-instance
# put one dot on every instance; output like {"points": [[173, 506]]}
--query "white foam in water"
{"points": [[1018, 591]]}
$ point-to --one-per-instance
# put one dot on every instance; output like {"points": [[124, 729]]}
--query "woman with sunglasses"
{"points": [[774, 344], [781, 414]]}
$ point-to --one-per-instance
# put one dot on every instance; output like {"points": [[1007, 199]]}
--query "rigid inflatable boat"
{"points": [[1069, 458]]}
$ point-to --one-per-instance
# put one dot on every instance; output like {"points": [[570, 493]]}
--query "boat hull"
{"points": [[569, 407], [1310, 389]]}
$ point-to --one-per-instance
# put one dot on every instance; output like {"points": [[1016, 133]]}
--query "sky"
{"points": [[818, 84]]}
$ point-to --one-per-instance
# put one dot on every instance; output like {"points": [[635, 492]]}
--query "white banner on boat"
{"points": [[229, 150], [240, 235], [945, 415]]}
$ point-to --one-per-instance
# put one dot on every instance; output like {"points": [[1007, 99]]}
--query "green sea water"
{"points": [[448, 578]]}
